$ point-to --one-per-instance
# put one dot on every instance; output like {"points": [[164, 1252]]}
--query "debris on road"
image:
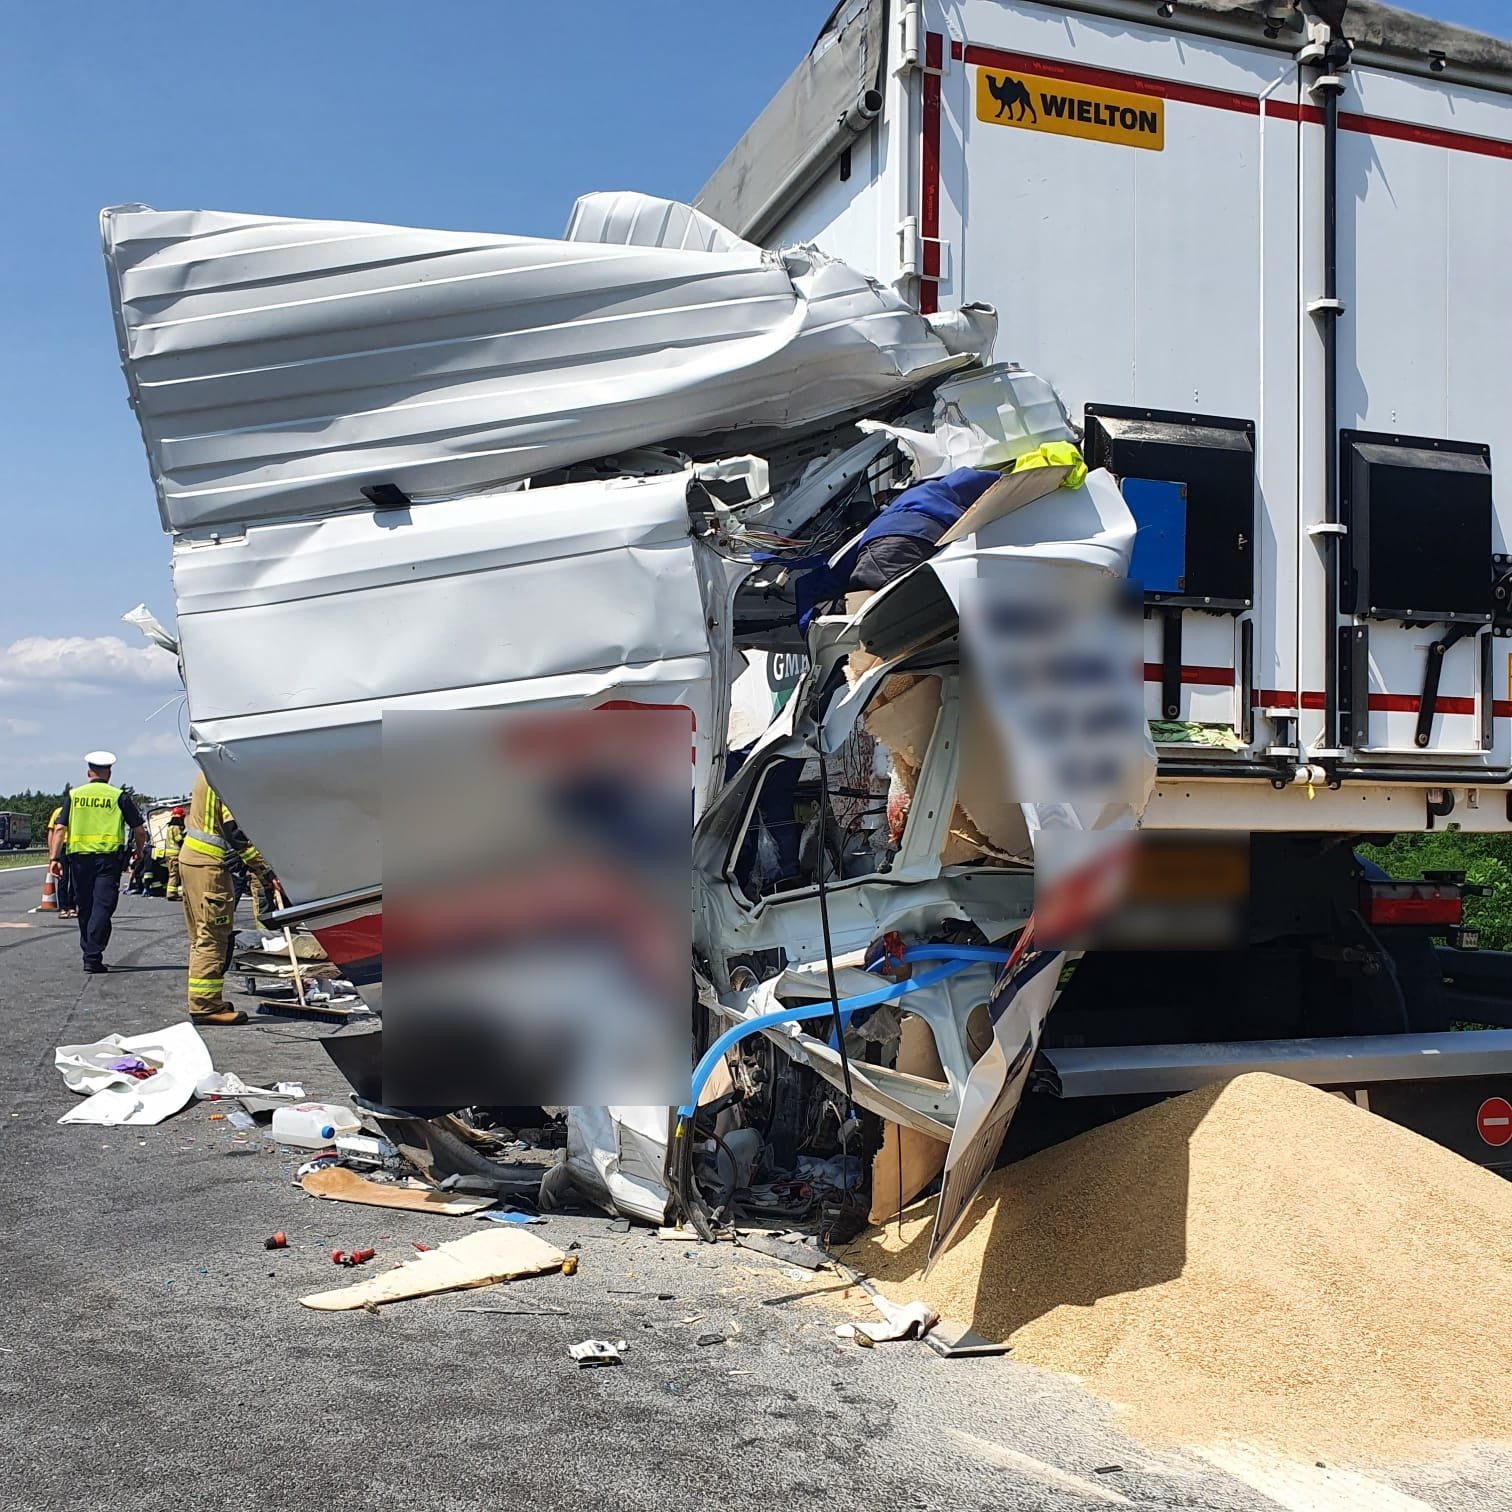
{"points": [[596, 1352], [352, 1257], [1256, 1259], [491, 1255], [313, 1125], [276, 1241], [899, 1321], [337, 1184], [177, 1058], [365, 1149]]}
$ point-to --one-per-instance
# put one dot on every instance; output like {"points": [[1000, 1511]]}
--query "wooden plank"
{"points": [[908, 1160], [496, 1254], [337, 1184]]}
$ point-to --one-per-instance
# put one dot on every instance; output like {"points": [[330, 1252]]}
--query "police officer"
{"points": [[212, 842], [90, 838]]}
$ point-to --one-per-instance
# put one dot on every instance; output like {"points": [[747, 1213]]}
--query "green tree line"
{"points": [[40, 807]]}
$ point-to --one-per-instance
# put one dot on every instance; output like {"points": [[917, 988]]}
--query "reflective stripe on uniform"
{"points": [[203, 985], [206, 845]]}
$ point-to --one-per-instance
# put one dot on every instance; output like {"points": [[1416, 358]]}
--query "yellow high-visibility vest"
{"points": [[1055, 454], [96, 825]]}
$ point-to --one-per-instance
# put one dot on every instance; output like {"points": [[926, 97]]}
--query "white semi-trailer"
{"points": [[1256, 246], [1252, 248]]}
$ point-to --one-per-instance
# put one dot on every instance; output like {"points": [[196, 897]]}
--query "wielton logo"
{"points": [[1067, 107], [1010, 93]]}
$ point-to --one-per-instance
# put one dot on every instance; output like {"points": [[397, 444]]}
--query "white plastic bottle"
{"points": [[313, 1125]]}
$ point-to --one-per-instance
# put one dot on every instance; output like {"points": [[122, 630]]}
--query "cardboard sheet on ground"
{"points": [[495, 1254], [182, 1060], [338, 1184]]}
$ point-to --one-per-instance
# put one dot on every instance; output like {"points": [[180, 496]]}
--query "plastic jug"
{"points": [[313, 1125]]}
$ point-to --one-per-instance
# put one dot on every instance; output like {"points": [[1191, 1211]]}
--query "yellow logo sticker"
{"points": [[1034, 102]]}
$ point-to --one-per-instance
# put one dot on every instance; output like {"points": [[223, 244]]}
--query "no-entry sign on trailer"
{"points": [[1494, 1120]]}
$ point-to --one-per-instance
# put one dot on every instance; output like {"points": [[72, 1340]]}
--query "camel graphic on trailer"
{"points": [[1010, 92]]}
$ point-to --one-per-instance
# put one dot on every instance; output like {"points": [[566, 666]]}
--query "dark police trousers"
{"points": [[97, 890]]}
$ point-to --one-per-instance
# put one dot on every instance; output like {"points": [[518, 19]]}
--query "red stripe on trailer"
{"points": [[1427, 136], [1108, 78], [1209, 677], [1289, 110], [1279, 698], [1402, 131], [1493, 1121]]}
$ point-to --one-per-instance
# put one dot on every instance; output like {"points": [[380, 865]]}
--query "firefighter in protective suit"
{"points": [[211, 840], [173, 843]]}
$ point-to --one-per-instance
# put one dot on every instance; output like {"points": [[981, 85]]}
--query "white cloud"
{"points": [[166, 743], [81, 663], [19, 727]]}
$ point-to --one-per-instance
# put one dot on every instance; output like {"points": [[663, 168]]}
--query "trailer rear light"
{"points": [[1436, 905]]}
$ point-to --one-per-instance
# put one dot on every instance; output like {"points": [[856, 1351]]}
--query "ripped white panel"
{"points": [[277, 366]]}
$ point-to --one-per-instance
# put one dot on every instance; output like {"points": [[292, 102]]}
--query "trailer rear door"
{"points": [[1128, 197], [1424, 213]]}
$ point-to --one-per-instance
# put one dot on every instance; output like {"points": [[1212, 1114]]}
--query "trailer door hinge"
{"points": [[908, 247], [1326, 307], [1329, 528], [910, 36], [921, 256]]}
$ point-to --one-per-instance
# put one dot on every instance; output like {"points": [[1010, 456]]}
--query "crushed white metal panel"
{"points": [[616, 1156], [297, 636], [279, 366], [623, 218]]}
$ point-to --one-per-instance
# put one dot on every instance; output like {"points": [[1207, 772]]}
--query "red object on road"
{"points": [[276, 1241], [354, 1257], [1494, 1121]]}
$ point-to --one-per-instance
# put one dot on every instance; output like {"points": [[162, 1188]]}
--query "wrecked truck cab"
{"points": [[889, 696]]}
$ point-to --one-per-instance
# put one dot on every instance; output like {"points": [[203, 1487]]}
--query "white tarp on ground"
{"points": [[182, 1060], [279, 366]]}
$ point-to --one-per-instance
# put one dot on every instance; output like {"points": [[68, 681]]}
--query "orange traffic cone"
{"points": [[49, 903]]}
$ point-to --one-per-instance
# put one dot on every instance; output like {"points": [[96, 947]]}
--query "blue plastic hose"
{"points": [[956, 958]]}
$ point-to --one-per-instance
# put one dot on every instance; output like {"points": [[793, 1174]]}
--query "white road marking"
{"points": [[1307, 1488], [1049, 1475]]}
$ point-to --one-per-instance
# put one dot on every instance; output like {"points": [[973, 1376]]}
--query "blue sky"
{"points": [[459, 113]]}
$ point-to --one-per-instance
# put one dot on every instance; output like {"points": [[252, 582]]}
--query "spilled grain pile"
{"points": [[1257, 1260]]}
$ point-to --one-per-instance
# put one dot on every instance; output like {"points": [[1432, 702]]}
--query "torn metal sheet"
{"points": [[280, 366], [616, 1156], [982, 419]]}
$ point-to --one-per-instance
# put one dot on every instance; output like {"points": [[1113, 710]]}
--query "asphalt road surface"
{"points": [[153, 1353]]}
